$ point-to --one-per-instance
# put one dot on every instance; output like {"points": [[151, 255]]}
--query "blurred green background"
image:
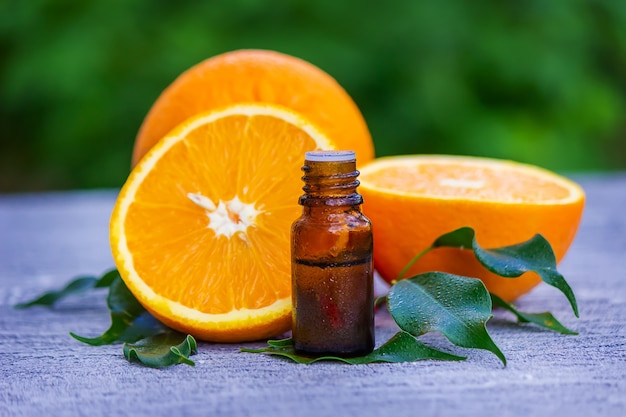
{"points": [[536, 81]]}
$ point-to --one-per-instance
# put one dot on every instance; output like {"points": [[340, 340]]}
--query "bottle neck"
{"points": [[330, 184]]}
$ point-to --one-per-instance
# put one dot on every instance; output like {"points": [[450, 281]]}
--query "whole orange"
{"points": [[412, 200], [247, 76]]}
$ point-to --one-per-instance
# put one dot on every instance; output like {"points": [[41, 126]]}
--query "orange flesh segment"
{"points": [[500, 182], [187, 254]]}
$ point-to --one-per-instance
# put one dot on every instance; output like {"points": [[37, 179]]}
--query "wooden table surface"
{"points": [[46, 239]]}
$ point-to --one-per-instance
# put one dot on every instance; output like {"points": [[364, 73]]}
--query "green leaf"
{"points": [[108, 278], [545, 320], [125, 328], [458, 307], [130, 322], [76, 286], [512, 261], [402, 347], [462, 238], [162, 350], [121, 300]]}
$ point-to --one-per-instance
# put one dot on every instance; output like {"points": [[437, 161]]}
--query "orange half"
{"points": [[412, 200], [200, 231]]}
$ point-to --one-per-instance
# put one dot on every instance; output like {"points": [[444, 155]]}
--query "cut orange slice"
{"points": [[200, 231], [412, 200]]}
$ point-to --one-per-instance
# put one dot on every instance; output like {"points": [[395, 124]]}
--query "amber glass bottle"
{"points": [[331, 251]]}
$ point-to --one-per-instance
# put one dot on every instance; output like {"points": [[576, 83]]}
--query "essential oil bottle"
{"points": [[332, 269]]}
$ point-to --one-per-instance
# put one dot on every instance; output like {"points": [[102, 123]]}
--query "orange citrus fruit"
{"points": [[200, 231], [258, 76], [412, 200]]}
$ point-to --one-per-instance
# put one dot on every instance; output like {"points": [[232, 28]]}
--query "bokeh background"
{"points": [[537, 81]]}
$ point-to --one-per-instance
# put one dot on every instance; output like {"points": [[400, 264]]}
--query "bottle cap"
{"points": [[330, 156]]}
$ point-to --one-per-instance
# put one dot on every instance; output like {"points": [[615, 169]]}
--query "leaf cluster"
{"points": [[455, 306], [146, 340]]}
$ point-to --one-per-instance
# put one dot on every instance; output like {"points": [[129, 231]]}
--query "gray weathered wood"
{"points": [[45, 239]]}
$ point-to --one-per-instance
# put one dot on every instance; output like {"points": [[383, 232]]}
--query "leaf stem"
{"points": [[378, 301], [410, 263]]}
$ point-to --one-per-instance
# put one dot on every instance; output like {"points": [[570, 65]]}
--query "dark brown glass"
{"points": [[332, 270]]}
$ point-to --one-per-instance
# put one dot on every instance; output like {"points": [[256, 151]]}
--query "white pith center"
{"points": [[227, 217]]}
